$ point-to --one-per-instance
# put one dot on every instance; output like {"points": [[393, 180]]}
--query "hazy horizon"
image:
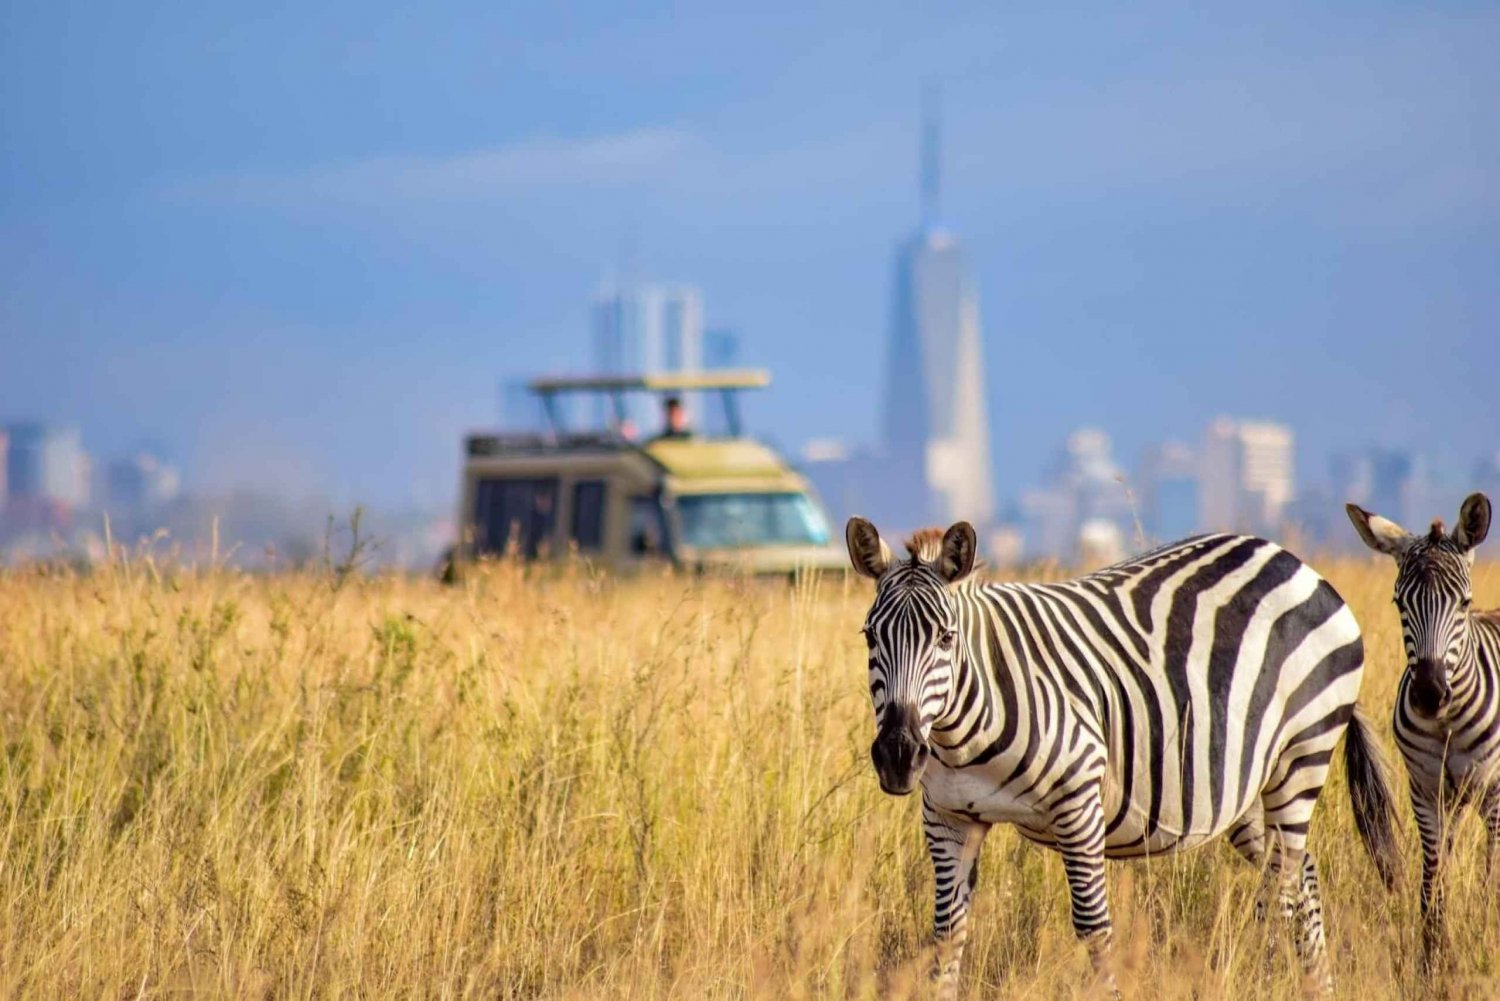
{"points": [[301, 249]]}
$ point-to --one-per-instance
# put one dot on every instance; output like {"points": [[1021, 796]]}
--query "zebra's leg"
{"points": [[1078, 827], [1291, 880], [1436, 837], [1310, 935], [1248, 838], [1288, 802], [954, 843]]}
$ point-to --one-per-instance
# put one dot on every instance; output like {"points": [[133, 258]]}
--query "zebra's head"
{"points": [[913, 635], [1433, 594]]}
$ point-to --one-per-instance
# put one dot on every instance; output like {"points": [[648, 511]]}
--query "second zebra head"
{"points": [[914, 634], [1433, 595]]}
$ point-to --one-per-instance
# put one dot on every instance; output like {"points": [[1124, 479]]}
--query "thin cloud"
{"points": [[624, 158]]}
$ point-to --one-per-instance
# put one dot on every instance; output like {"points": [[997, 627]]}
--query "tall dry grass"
{"points": [[557, 784]]}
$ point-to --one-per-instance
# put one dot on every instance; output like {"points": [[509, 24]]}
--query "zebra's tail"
{"points": [[1370, 796]]}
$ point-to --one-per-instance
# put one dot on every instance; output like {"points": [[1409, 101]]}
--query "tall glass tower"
{"points": [[936, 420]]}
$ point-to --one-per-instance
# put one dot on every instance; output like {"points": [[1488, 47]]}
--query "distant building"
{"points": [[47, 463], [1048, 524], [1382, 480], [1084, 517], [1169, 491], [931, 465], [936, 414], [1087, 469], [842, 475], [646, 328], [721, 348], [1246, 476], [1486, 476], [1005, 545], [47, 476], [140, 484], [1100, 543]]}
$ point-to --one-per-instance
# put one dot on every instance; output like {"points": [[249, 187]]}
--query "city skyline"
{"points": [[295, 285], [1089, 509]]}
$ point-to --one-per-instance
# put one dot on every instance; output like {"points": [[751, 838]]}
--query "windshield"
{"points": [[713, 521]]}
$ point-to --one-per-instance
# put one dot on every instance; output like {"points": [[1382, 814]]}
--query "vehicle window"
{"points": [[519, 513], [712, 521], [588, 514], [648, 529]]}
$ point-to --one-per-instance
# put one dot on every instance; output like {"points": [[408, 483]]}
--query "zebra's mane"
{"points": [[925, 547], [925, 544]]}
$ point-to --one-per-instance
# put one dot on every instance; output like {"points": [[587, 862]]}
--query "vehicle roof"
{"points": [[493, 445], [698, 460], [748, 378], [696, 464]]}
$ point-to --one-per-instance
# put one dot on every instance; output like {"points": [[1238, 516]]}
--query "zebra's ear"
{"points": [[1380, 534], [957, 556], [867, 550], [1473, 521]]}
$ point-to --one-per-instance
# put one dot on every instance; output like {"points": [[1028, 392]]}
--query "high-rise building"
{"points": [[47, 476], [1387, 481], [646, 328], [139, 484], [1084, 515], [1246, 476], [721, 348], [1049, 524], [1486, 476], [1169, 491], [936, 421]]}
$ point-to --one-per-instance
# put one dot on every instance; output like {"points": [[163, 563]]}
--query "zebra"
{"points": [[1447, 715], [1143, 709]]}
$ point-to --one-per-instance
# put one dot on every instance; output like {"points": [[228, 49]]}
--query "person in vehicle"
{"points": [[675, 419]]}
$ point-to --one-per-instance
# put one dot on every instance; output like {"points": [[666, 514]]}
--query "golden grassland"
{"points": [[557, 784]]}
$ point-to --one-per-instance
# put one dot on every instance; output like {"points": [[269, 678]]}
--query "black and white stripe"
{"points": [[1194, 691], [1447, 713]]}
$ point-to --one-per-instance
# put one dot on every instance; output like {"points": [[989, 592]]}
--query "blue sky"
{"points": [[300, 244]]}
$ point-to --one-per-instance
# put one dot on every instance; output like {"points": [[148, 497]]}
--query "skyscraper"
{"points": [[139, 484], [47, 474], [1246, 480], [1169, 491], [647, 328], [936, 422], [721, 348]]}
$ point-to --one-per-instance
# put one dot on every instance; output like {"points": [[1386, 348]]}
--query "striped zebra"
{"points": [[1447, 713], [1142, 709]]}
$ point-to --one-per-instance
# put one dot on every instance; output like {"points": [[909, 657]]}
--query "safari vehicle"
{"points": [[699, 501]]}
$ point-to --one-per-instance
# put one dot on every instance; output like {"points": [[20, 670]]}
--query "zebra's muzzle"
{"points": [[899, 755], [1429, 690]]}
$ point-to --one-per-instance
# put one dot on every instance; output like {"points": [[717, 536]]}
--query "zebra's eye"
{"points": [[869, 637], [1467, 602], [945, 641]]}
